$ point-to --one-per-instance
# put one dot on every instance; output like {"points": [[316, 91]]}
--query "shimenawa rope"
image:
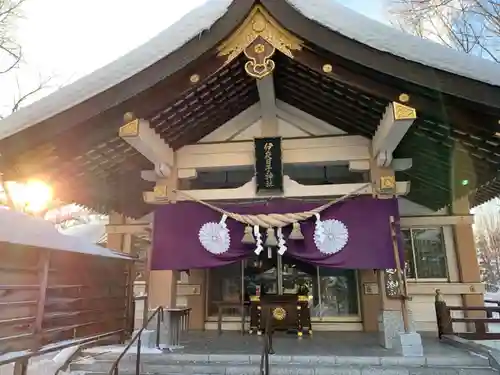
{"points": [[273, 220]]}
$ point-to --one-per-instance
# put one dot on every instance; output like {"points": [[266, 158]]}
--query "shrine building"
{"points": [[280, 150]]}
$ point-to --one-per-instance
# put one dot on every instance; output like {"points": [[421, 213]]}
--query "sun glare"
{"points": [[33, 196]]}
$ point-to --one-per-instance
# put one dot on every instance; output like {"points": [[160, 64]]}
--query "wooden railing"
{"points": [[484, 316]]}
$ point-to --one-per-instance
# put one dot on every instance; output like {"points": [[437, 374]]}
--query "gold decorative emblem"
{"points": [[194, 78], [130, 129], [387, 184], [260, 63], [160, 191], [404, 98], [403, 112], [327, 68], [259, 48], [259, 25], [279, 313]]}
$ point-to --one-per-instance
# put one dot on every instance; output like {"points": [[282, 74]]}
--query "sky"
{"points": [[66, 39]]}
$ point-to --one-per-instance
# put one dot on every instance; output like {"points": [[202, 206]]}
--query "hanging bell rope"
{"points": [[273, 220]]}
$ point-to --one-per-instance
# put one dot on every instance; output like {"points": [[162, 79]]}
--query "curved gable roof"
{"points": [[203, 29]]}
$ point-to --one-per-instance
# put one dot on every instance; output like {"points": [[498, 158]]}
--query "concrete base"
{"points": [[409, 344], [390, 323], [148, 339]]}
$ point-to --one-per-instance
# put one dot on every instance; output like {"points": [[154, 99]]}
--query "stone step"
{"points": [[300, 370], [465, 360], [169, 363]]}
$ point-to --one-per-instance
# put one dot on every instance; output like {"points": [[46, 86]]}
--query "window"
{"points": [[425, 253], [338, 290], [224, 285]]}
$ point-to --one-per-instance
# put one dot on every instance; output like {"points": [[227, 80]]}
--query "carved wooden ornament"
{"points": [[259, 36]]}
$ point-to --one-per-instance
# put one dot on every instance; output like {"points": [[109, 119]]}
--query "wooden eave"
{"points": [[80, 150]]}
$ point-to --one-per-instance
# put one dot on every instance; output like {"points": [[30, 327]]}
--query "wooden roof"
{"points": [[73, 140]]}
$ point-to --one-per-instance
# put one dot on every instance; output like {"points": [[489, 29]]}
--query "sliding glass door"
{"points": [[333, 293]]}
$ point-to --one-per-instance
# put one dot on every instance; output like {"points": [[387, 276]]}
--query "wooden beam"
{"points": [[135, 228], [393, 126], [446, 288], [321, 150], [436, 220], [139, 135], [269, 124], [359, 166], [364, 165], [187, 174], [292, 189]]}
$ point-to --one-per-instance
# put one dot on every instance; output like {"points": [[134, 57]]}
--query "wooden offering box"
{"points": [[288, 312]]}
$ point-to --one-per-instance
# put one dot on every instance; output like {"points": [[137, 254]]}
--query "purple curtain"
{"points": [[176, 245]]}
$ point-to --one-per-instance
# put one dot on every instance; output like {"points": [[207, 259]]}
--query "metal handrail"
{"points": [[268, 346], [50, 348], [159, 313]]}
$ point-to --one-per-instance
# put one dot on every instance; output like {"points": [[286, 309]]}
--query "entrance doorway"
{"points": [[333, 293]]}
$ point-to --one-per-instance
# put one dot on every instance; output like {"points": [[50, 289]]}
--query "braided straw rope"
{"points": [[273, 220]]}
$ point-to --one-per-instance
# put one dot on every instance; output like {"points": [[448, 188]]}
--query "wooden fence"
{"points": [[47, 296], [477, 319]]}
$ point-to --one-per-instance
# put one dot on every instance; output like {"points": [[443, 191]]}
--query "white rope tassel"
{"points": [[258, 239], [281, 242], [320, 230], [269, 253]]}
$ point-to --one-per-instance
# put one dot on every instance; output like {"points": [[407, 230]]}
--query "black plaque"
{"points": [[268, 164]]}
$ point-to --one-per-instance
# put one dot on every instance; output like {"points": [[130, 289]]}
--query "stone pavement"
{"points": [[320, 344]]}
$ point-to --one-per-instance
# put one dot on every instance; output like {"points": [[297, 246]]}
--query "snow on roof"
{"points": [[168, 41], [91, 232], [326, 12], [385, 38], [21, 229]]}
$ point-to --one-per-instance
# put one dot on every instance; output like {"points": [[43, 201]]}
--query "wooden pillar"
{"points": [[461, 184], [197, 300], [115, 240], [468, 265], [370, 303], [390, 317], [162, 286]]}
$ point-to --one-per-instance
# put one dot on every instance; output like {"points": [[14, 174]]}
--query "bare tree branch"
{"points": [[23, 97], [11, 58], [10, 50], [471, 26]]}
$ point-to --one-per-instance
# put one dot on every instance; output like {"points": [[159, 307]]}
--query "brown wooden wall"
{"points": [[47, 296]]}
